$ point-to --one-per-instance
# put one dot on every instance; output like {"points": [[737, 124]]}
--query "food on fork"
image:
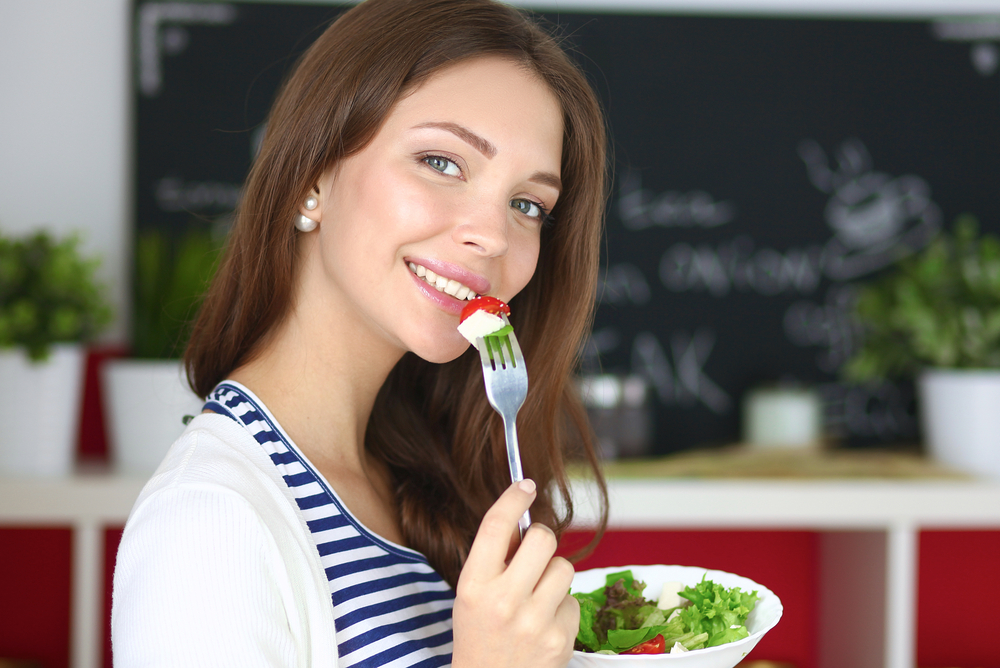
{"points": [[481, 317]]}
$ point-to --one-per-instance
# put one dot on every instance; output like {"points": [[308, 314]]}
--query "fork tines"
{"points": [[501, 352]]}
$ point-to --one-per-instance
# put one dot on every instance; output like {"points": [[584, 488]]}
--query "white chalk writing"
{"points": [[640, 209], [736, 265], [882, 410], [684, 381], [877, 219], [169, 15], [623, 283], [829, 325], [985, 58], [173, 194]]}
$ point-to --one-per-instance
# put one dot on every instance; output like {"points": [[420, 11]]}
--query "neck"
{"points": [[319, 376]]}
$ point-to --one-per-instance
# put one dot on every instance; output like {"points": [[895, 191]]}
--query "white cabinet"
{"points": [[868, 530], [87, 504], [868, 542]]}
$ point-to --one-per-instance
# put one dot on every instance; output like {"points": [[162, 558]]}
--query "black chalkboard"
{"points": [[763, 167]]}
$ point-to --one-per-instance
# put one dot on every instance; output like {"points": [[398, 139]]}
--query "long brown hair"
{"points": [[431, 423]]}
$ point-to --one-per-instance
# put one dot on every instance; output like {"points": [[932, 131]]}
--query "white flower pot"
{"points": [[40, 411], [782, 417], [145, 402], [960, 416]]}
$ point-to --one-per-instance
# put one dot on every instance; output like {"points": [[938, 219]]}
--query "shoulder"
{"points": [[214, 452], [215, 558], [217, 478], [200, 579], [214, 492]]}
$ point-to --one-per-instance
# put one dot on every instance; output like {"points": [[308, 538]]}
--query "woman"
{"points": [[347, 453]]}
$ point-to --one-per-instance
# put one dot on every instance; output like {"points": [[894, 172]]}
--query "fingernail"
{"points": [[527, 485]]}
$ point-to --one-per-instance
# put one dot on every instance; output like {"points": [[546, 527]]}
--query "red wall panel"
{"points": [[36, 564], [112, 537], [957, 599]]}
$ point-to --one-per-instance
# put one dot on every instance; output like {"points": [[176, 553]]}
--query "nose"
{"points": [[484, 230]]}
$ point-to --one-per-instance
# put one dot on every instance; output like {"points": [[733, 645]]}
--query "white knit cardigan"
{"points": [[217, 566]]}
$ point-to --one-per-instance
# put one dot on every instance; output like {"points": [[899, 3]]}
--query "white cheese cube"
{"points": [[669, 596], [479, 324]]}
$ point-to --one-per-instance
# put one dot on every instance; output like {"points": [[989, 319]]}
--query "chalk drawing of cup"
{"points": [[876, 218]]}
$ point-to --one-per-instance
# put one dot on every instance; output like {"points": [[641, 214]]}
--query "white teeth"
{"points": [[450, 287]]}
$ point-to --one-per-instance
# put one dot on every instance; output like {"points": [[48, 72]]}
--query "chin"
{"points": [[440, 352], [442, 357]]}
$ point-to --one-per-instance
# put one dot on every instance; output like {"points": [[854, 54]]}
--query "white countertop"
{"points": [[107, 498]]}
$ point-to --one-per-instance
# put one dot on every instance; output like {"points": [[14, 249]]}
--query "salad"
{"points": [[617, 619]]}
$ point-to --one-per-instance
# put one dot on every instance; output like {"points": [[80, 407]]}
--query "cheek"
{"points": [[399, 208], [382, 213], [523, 263]]}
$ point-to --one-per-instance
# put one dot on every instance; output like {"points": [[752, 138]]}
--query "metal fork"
{"points": [[506, 379]]}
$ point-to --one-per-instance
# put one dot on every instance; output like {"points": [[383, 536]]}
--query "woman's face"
{"points": [[457, 181]]}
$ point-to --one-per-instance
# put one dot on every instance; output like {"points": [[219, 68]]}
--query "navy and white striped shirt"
{"points": [[391, 607]]}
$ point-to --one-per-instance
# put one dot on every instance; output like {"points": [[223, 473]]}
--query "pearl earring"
{"points": [[311, 203], [305, 224]]}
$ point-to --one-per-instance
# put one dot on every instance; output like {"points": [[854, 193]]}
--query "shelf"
{"points": [[106, 499], [97, 498], [812, 504]]}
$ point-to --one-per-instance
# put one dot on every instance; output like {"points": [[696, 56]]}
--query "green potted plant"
{"points": [[146, 395], [50, 305], [935, 317]]}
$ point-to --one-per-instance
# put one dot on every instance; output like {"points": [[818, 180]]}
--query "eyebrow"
{"points": [[482, 145], [487, 148], [547, 179]]}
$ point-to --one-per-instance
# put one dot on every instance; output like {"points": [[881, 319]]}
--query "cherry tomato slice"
{"points": [[484, 303], [656, 645]]}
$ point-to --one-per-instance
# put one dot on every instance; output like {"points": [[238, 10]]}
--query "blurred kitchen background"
{"points": [[772, 160]]}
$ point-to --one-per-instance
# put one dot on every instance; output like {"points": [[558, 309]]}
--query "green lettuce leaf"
{"points": [[617, 617], [587, 636], [621, 640], [717, 611]]}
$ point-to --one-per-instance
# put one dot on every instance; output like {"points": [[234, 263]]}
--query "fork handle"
{"points": [[523, 523], [516, 475]]}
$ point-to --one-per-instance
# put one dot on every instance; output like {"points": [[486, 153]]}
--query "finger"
{"points": [[559, 631], [567, 618], [515, 542], [489, 548], [532, 557], [554, 582]]}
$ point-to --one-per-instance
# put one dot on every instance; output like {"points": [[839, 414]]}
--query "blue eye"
{"points": [[531, 209], [527, 207], [443, 165]]}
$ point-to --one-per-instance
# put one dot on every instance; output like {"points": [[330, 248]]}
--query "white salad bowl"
{"points": [[762, 619]]}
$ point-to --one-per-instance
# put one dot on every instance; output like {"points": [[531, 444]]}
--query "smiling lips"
{"points": [[442, 284]]}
